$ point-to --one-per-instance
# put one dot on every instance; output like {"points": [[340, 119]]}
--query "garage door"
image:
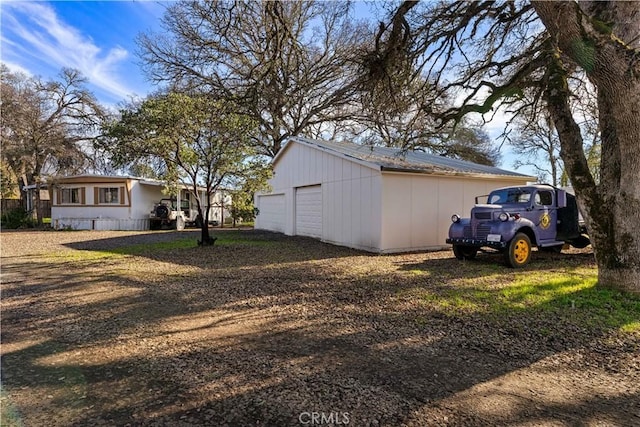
{"points": [[309, 211], [271, 212]]}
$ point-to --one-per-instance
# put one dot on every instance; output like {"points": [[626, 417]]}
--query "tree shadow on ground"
{"points": [[249, 345], [242, 247]]}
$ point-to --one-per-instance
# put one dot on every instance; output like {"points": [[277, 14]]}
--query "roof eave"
{"points": [[318, 146], [455, 173]]}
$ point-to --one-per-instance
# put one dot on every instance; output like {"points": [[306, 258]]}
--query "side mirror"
{"points": [[561, 199]]}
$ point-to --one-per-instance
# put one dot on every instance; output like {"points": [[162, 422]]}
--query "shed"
{"points": [[377, 199]]}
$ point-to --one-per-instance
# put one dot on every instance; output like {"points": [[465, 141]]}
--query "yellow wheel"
{"points": [[518, 252]]}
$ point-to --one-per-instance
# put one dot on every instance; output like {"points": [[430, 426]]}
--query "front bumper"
{"points": [[476, 242]]}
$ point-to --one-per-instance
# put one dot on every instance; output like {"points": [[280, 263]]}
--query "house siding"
{"points": [[136, 200], [91, 215]]}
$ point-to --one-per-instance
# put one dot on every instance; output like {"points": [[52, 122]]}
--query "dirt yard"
{"points": [[133, 328]]}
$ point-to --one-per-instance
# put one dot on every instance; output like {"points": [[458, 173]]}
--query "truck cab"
{"points": [[514, 219]]}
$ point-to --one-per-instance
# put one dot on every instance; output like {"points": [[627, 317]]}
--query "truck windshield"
{"points": [[510, 195]]}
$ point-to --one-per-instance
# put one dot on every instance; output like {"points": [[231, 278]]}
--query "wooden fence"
{"points": [[7, 205]]}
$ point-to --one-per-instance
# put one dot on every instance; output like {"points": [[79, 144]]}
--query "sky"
{"points": [[95, 37], [98, 38]]}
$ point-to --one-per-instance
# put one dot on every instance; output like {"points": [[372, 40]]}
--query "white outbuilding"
{"points": [[377, 199]]}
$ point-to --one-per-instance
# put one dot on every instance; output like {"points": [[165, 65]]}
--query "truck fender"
{"points": [[529, 230], [522, 225]]}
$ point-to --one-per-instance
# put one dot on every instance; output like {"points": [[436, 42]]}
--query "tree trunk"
{"points": [[618, 246], [233, 213], [38, 205], [205, 237], [611, 208], [221, 209], [554, 170]]}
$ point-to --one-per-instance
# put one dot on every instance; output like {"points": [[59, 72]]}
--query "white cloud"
{"points": [[15, 68], [37, 32]]}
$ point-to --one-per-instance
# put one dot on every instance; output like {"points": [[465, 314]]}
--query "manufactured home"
{"points": [[99, 202]]}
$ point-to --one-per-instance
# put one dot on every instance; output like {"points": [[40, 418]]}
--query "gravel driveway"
{"points": [[138, 328], [29, 242]]}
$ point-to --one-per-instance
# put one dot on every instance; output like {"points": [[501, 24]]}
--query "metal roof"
{"points": [[398, 160]]}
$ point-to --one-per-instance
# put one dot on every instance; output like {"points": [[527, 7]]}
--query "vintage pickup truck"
{"points": [[513, 219]]}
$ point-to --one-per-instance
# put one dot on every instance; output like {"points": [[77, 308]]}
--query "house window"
{"points": [[109, 195], [70, 196]]}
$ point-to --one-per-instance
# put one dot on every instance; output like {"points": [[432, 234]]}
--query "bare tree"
{"points": [[401, 117], [584, 105], [536, 139], [466, 141], [288, 65], [538, 146], [46, 125], [517, 55]]}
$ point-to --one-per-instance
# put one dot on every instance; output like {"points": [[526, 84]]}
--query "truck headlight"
{"points": [[455, 218], [503, 217]]}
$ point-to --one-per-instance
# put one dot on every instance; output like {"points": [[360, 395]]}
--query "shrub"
{"points": [[15, 218]]}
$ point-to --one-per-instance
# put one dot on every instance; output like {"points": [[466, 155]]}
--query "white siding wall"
{"points": [[219, 210], [143, 198], [351, 196], [417, 208], [134, 215]]}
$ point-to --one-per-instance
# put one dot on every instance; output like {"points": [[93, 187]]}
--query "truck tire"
{"points": [[162, 211], [580, 242], [179, 223], [464, 252], [518, 253]]}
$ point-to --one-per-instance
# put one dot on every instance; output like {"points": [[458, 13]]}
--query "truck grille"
{"points": [[482, 231], [482, 215]]}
